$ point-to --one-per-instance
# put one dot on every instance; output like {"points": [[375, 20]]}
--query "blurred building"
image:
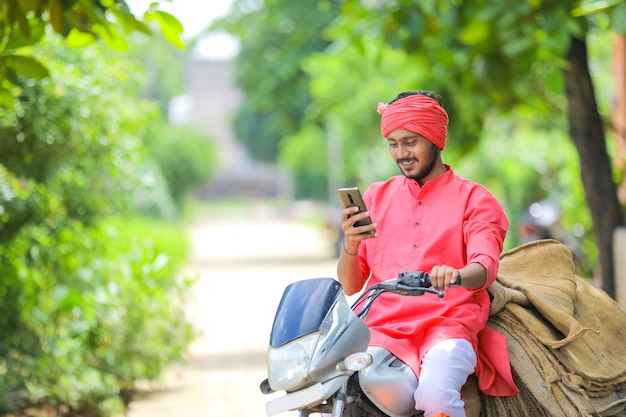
{"points": [[210, 104]]}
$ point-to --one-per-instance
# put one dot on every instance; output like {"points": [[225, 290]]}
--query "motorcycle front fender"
{"points": [[306, 397]]}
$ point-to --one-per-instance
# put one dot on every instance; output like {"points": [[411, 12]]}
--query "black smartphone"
{"points": [[352, 197]]}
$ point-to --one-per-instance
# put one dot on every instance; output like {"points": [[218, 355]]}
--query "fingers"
{"points": [[347, 214], [443, 276], [351, 231]]}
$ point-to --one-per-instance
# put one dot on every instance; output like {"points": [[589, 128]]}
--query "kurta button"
{"points": [[414, 246], [419, 202], [417, 223]]}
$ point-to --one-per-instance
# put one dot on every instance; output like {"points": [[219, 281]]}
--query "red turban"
{"points": [[417, 113]]}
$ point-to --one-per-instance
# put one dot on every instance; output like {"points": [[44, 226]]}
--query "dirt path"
{"points": [[242, 264]]}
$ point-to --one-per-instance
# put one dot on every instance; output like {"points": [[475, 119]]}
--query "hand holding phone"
{"points": [[351, 197]]}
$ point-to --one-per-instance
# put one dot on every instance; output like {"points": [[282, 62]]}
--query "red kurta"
{"points": [[451, 221]]}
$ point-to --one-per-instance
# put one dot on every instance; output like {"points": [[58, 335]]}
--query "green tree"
{"points": [[526, 62], [185, 156], [164, 65], [501, 56], [275, 38], [81, 22]]}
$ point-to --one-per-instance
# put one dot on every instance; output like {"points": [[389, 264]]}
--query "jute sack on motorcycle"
{"points": [[563, 334]]}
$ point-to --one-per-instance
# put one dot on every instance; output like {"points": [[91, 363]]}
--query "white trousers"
{"points": [[444, 371]]}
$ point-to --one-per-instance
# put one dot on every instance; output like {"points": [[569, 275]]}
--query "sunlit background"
{"points": [[156, 200], [196, 18]]}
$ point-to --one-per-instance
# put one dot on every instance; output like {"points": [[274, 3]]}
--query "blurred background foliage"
{"points": [[500, 68], [93, 181]]}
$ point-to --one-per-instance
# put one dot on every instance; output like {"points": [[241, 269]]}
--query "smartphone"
{"points": [[352, 197]]}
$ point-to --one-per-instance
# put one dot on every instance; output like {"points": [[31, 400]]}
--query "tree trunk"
{"points": [[586, 130]]}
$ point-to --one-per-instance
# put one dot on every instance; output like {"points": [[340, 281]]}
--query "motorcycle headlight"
{"points": [[288, 365]]}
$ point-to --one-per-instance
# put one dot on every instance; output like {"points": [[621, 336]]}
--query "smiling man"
{"points": [[429, 219]]}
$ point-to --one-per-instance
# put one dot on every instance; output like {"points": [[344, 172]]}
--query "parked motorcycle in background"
{"points": [[542, 220], [319, 354]]}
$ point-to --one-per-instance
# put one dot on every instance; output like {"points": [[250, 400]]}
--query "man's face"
{"points": [[415, 155]]}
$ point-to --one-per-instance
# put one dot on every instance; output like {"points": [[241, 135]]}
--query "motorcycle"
{"points": [[319, 355]]}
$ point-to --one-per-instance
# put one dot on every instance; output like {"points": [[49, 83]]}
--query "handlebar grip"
{"points": [[422, 279], [459, 281]]}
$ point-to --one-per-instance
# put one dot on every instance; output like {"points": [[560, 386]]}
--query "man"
{"points": [[431, 220]]}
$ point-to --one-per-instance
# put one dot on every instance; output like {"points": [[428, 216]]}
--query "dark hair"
{"points": [[426, 93]]}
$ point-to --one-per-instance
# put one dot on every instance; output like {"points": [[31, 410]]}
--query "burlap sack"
{"points": [[543, 271], [577, 320], [541, 391], [561, 333]]}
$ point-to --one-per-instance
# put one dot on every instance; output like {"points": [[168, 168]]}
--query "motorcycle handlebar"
{"points": [[407, 283], [410, 283]]}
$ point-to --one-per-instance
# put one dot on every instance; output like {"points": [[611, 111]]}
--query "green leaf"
{"points": [[79, 39], [140, 26], [111, 36], [6, 99], [618, 18], [474, 33], [18, 39], [130, 22], [22, 23], [25, 65], [96, 15], [170, 26], [56, 15], [66, 298], [29, 5], [593, 6]]}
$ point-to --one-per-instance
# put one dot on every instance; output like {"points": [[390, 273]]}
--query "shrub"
{"points": [[185, 156], [86, 307]]}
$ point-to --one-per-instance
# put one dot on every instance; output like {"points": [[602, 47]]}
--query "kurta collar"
{"points": [[436, 182]]}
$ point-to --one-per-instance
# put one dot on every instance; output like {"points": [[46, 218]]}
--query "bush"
{"points": [[88, 304], [185, 156], [97, 309]]}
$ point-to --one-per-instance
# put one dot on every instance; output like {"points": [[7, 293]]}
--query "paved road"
{"points": [[242, 265]]}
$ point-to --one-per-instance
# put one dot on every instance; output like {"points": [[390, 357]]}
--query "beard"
{"points": [[425, 168]]}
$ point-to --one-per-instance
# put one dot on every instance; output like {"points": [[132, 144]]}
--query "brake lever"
{"points": [[422, 281], [408, 286], [411, 284], [424, 290]]}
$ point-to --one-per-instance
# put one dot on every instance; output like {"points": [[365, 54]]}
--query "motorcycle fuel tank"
{"points": [[389, 383]]}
